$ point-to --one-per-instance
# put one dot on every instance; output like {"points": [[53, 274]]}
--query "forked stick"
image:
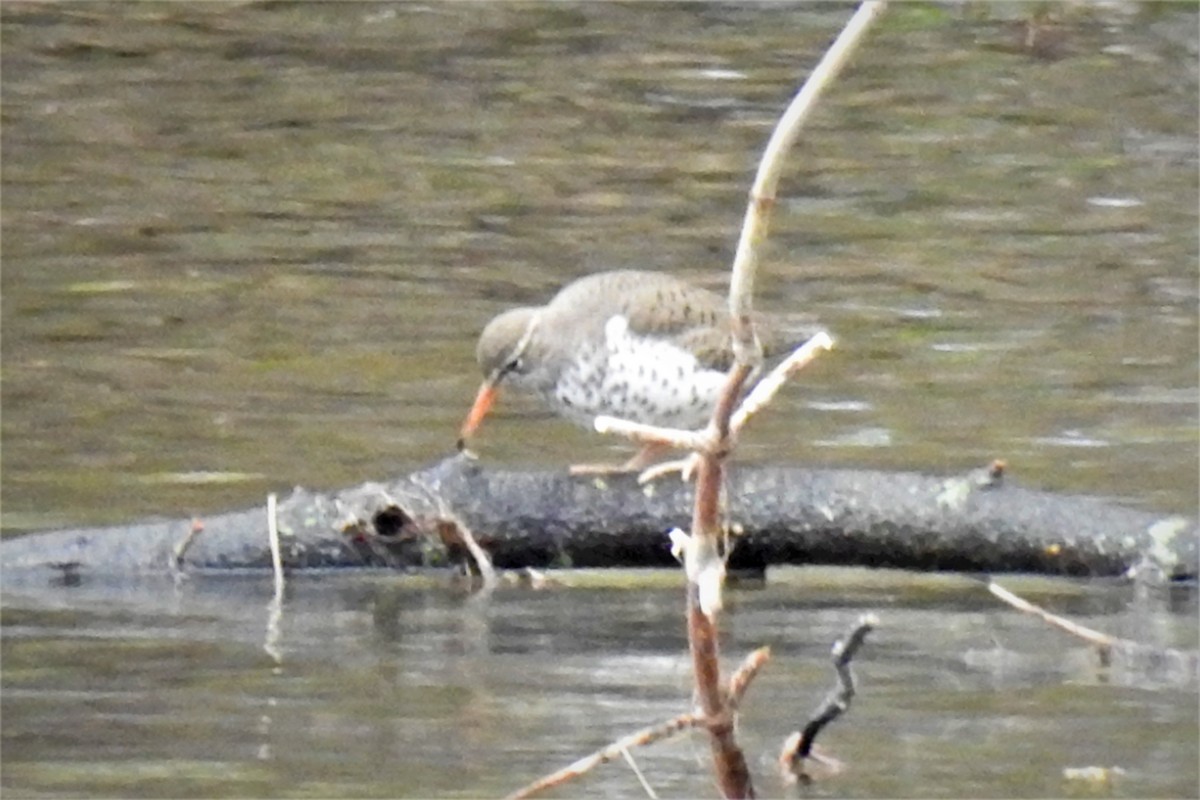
{"points": [[704, 556], [765, 390], [703, 553], [739, 682]]}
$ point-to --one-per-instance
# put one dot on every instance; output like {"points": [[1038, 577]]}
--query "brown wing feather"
{"points": [[694, 318], [654, 303]]}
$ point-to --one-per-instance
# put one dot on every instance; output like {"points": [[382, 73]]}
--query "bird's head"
{"points": [[501, 354]]}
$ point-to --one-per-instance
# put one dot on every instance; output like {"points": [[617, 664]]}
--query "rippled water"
{"points": [[250, 246], [374, 686]]}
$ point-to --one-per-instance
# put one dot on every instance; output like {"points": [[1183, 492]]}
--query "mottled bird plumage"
{"points": [[641, 345]]}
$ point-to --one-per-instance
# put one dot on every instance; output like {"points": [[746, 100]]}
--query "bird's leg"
{"points": [[644, 457]]}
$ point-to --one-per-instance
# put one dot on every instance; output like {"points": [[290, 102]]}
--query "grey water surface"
{"points": [[250, 245], [373, 686]]}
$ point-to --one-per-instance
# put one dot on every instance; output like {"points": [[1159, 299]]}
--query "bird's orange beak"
{"points": [[483, 403]]}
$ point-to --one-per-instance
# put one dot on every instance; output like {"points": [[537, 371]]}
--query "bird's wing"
{"points": [[693, 318], [653, 304]]}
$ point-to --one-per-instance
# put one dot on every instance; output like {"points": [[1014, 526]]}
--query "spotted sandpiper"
{"points": [[643, 346]]}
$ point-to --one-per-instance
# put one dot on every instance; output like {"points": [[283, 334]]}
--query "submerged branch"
{"points": [[798, 748], [1148, 662]]}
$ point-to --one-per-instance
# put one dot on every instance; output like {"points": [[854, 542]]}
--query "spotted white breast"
{"points": [[639, 378]]}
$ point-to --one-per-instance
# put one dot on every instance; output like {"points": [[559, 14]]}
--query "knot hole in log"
{"points": [[390, 522]]}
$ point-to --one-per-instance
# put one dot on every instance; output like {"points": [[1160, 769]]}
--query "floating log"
{"points": [[776, 515]]}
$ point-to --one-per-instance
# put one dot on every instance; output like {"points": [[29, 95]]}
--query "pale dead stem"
{"points": [[1161, 662], [452, 527], [709, 440], [275, 607], [276, 551], [183, 545], [703, 551], [1101, 641]]}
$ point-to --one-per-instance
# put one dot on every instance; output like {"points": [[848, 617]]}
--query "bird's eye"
{"points": [[514, 364]]}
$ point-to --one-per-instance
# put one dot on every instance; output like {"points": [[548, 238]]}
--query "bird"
{"points": [[640, 345]]}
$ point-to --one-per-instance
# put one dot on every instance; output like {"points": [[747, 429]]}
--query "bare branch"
{"points": [[1102, 641], [762, 193], [799, 746], [639, 738], [738, 683], [765, 390], [181, 548], [703, 550], [742, 677], [702, 440], [708, 439], [453, 528]]}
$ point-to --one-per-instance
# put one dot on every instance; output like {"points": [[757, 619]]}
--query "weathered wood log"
{"points": [[777, 515]]}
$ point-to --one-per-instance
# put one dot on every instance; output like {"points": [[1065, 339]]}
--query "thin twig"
{"points": [[742, 677], [483, 561], [638, 773], [678, 438], [762, 193], [276, 552], [275, 607], [642, 737], [765, 390], [740, 681], [1100, 640], [1164, 663], [182, 546], [707, 440], [703, 552]]}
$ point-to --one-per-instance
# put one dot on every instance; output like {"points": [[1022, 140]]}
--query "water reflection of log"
{"points": [[777, 515]]}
